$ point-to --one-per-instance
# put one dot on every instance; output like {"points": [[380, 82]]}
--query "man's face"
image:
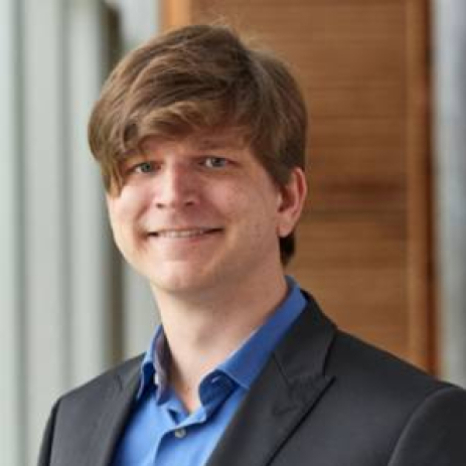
{"points": [[197, 214]]}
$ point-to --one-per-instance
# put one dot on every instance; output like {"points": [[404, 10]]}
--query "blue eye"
{"points": [[215, 162], [144, 167]]}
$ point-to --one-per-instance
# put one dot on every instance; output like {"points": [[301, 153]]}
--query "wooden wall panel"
{"points": [[363, 243]]}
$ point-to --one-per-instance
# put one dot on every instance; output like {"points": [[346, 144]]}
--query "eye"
{"points": [[215, 162], [144, 167]]}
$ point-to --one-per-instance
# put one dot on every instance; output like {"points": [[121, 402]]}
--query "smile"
{"points": [[186, 233]]}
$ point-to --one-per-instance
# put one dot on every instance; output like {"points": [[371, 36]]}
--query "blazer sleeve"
{"points": [[435, 433], [45, 453]]}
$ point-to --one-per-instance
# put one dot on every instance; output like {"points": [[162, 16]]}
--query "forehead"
{"points": [[201, 141]]}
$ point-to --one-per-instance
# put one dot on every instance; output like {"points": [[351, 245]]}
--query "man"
{"points": [[201, 143]]}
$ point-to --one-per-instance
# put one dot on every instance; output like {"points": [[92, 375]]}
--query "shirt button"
{"points": [[180, 433]]}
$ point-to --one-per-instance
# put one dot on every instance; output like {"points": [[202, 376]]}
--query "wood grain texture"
{"points": [[421, 280]]}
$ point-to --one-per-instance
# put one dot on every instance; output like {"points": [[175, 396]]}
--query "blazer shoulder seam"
{"points": [[438, 390]]}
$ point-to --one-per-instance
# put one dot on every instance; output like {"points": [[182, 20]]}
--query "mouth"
{"points": [[184, 233]]}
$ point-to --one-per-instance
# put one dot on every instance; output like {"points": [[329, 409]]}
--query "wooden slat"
{"points": [[357, 164], [176, 13], [421, 285], [357, 268], [329, 100]]}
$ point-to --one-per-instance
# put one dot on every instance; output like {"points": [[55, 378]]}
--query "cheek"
{"points": [[124, 214], [259, 213], [126, 208]]}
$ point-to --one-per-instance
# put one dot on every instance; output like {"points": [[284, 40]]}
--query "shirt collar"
{"points": [[244, 364], [154, 364]]}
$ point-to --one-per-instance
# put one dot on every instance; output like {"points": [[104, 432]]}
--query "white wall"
{"points": [[11, 309]]}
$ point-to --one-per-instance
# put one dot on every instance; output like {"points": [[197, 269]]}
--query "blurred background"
{"points": [[382, 243]]}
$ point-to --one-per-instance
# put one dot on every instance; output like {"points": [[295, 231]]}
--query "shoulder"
{"points": [[114, 379], [359, 366], [383, 406], [381, 381], [434, 431], [371, 379], [99, 405], [363, 365]]}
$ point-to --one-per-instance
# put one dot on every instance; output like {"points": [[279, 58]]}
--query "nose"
{"points": [[176, 187]]}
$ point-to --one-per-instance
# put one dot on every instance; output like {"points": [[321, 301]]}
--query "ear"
{"points": [[293, 196]]}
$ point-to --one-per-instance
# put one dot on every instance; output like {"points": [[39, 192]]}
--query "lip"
{"points": [[184, 233]]}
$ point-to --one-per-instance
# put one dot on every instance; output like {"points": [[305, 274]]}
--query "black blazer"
{"points": [[324, 398]]}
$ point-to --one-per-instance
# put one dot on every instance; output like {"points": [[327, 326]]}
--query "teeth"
{"points": [[181, 233]]}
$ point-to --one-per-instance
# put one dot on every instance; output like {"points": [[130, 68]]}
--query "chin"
{"points": [[180, 281]]}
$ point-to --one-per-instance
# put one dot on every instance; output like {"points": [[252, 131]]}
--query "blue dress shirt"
{"points": [[161, 432]]}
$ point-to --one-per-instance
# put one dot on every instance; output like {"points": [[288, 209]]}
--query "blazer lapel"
{"points": [[116, 409], [285, 392]]}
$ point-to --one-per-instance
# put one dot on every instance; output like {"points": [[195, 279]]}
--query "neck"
{"points": [[203, 330]]}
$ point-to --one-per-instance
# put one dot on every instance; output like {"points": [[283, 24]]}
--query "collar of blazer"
{"points": [[286, 390], [115, 407]]}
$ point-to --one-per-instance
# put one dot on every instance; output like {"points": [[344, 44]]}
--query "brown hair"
{"points": [[201, 78]]}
